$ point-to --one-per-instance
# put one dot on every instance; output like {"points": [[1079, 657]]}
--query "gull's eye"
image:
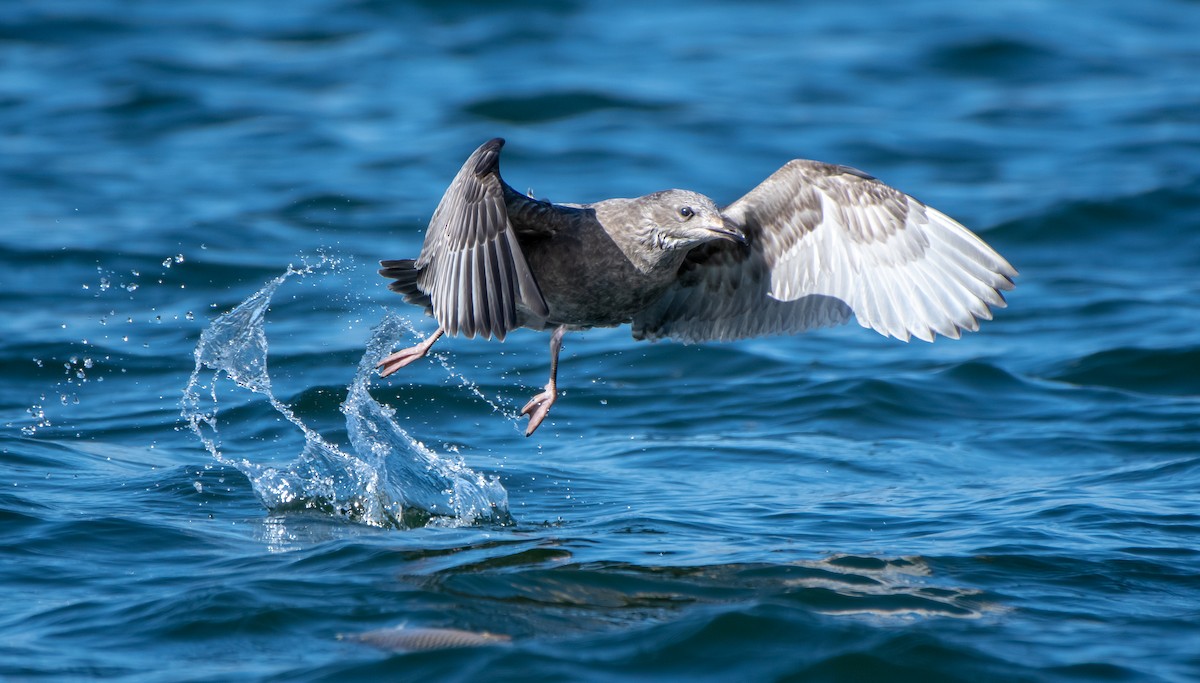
{"points": [[687, 212]]}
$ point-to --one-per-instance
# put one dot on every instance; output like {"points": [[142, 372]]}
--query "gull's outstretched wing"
{"points": [[471, 265], [826, 242]]}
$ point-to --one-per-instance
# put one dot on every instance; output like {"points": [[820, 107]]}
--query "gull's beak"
{"points": [[728, 230]]}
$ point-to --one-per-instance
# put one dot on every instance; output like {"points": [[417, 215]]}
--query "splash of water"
{"points": [[386, 478]]}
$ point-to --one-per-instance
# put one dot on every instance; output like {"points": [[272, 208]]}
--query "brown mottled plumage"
{"points": [[810, 246]]}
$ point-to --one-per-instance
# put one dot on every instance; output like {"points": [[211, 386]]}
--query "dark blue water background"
{"points": [[1019, 505]]}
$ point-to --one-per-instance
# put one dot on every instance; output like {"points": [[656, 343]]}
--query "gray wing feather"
{"points": [[827, 242], [471, 264]]}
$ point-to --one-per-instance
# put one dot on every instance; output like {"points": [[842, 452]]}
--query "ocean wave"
{"points": [[1164, 372], [1124, 221], [548, 106]]}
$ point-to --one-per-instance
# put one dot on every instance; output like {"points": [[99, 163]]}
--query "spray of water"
{"points": [[384, 478]]}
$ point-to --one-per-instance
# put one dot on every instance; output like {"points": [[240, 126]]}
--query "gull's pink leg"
{"points": [[401, 358], [539, 406]]}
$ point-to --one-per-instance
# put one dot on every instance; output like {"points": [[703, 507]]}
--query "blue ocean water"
{"points": [[200, 480]]}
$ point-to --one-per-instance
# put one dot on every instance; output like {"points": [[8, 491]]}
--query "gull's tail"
{"points": [[404, 274]]}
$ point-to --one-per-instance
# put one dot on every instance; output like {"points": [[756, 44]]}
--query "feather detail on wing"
{"points": [[471, 264], [827, 241]]}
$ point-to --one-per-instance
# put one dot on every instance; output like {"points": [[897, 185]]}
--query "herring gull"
{"points": [[810, 246]]}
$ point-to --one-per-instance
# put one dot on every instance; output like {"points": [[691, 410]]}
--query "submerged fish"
{"points": [[406, 639]]}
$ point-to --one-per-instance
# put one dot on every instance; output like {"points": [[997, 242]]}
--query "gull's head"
{"points": [[681, 219]]}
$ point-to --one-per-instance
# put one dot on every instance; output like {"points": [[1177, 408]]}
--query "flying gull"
{"points": [[811, 246]]}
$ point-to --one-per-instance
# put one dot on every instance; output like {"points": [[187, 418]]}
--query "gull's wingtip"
{"points": [[488, 157]]}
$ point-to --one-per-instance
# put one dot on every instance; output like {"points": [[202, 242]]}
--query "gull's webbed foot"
{"points": [[401, 358], [538, 407]]}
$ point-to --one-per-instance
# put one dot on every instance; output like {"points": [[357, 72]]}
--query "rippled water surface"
{"points": [[201, 479]]}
